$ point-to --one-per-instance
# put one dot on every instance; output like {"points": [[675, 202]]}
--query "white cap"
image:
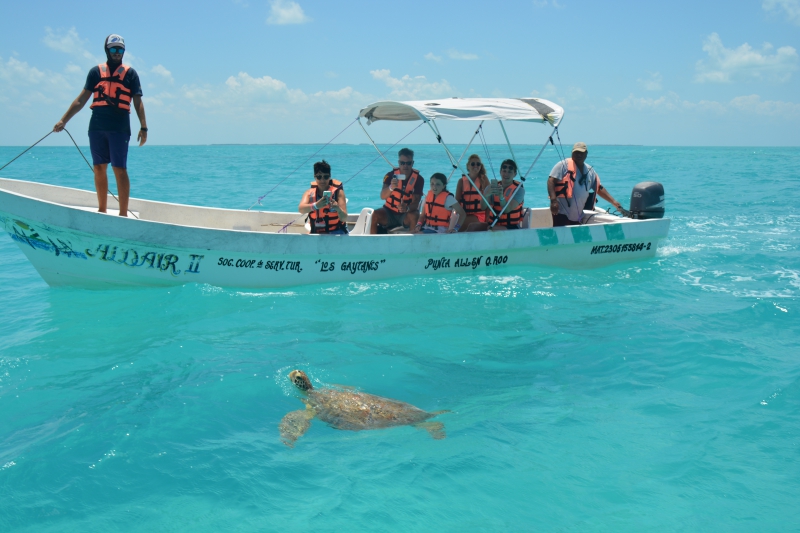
{"points": [[115, 40]]}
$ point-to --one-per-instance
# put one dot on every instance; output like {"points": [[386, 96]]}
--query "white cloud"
{"points": [[545, 3], [245, 98], [416, 87], [725, 65], [431, 57], [70, 43], [25, 85], [754, 105], [163, 72], [791, 8], [455, 54], [569, 96], [652, 83], [751, 106], [286, 12]]}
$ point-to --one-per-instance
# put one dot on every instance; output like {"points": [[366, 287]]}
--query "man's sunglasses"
{"points": [[405, 163], [476, 164], [507, 167], [322, 176], [116, 50]]}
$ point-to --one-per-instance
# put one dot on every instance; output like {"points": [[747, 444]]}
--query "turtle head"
{"points": [[300, 380]]}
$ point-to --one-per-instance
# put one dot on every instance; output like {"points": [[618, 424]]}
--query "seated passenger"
{"points": [[325, 202], [574, 186], [436, 212], [468, 196], [507, 197], [402, 190]]}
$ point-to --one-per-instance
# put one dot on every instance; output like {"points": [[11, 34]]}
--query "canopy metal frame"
{"points": [[456, 162]]}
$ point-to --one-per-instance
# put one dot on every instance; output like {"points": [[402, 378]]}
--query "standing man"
{"points": [[402, 190], [570, 184], [113, 86]]}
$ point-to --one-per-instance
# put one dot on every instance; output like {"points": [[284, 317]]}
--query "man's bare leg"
{"points": [[123, 189], [379, 216], [101, 186]]}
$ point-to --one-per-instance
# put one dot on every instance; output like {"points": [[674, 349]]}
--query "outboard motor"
{"points": [[647, 200]]}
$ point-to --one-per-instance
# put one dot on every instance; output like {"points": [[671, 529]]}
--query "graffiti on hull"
{"points": [[25, 234]]}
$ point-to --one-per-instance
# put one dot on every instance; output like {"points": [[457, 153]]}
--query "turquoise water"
{"points": [[652, 396]]}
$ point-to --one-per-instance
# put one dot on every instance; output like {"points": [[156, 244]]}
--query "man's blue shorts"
{"points": [[109, 147]]}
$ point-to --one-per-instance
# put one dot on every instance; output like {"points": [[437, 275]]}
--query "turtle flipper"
{"points": [[436, 429], [294, 425]]}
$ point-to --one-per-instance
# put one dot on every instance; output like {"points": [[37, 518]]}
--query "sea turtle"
{"points": [[353, 410]]}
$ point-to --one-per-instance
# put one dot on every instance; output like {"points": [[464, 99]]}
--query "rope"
{"points": [[453, 159], [550, 140], [92, 169], [301, 165], [488, 155], [79, 151], [513, 157], [26, 149], [373, 142], [455, 167]]}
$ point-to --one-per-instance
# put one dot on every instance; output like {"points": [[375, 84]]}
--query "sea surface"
{"points": [[659, 395]]}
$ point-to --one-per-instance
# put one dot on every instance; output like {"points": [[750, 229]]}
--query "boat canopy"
{"points": [[517, 109]]}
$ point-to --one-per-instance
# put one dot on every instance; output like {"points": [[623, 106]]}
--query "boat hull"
{"points": [[73, 246]]}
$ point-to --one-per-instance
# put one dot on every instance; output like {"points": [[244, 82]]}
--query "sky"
{"points": [[682, 73]]}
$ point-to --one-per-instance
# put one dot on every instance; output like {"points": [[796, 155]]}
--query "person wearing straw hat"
{"points": [[571, 184], [114, 87]]}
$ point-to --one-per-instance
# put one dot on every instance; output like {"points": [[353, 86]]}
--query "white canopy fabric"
{"points": [[518, 109]]}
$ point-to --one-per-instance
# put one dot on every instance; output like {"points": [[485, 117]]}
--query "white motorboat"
{"points": [[69, 243]]}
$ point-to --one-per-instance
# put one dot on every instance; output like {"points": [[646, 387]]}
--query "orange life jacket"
{"points": [[435, 212], [470, 198], [324, 220], [564, 186], [110, 91], [510, 218], [403, 193]]}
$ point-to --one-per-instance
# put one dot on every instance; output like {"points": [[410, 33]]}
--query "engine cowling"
{"points": [[647, 200]]}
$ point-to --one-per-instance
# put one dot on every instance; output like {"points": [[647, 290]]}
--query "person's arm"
{"points": [[605, 195], [138, 105], [551, 192], [307, 204], [421, 220], [455, 222], [413, 205], [74, 107], [339, 204], [487, 193], [512, 204], [387, 189], [459, 191]]}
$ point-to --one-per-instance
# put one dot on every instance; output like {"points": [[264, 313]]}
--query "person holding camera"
{"points": [[325, 202], [402, 190], [507, 197]]}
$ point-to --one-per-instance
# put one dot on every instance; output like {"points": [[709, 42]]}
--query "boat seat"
{"points": [[537, 218], [361, 227]]}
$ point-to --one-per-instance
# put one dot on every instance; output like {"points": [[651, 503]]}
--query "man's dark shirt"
{"points": [[108, 117]]}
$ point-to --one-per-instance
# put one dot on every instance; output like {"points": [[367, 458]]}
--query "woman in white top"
{"points": [[436, 213]]}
